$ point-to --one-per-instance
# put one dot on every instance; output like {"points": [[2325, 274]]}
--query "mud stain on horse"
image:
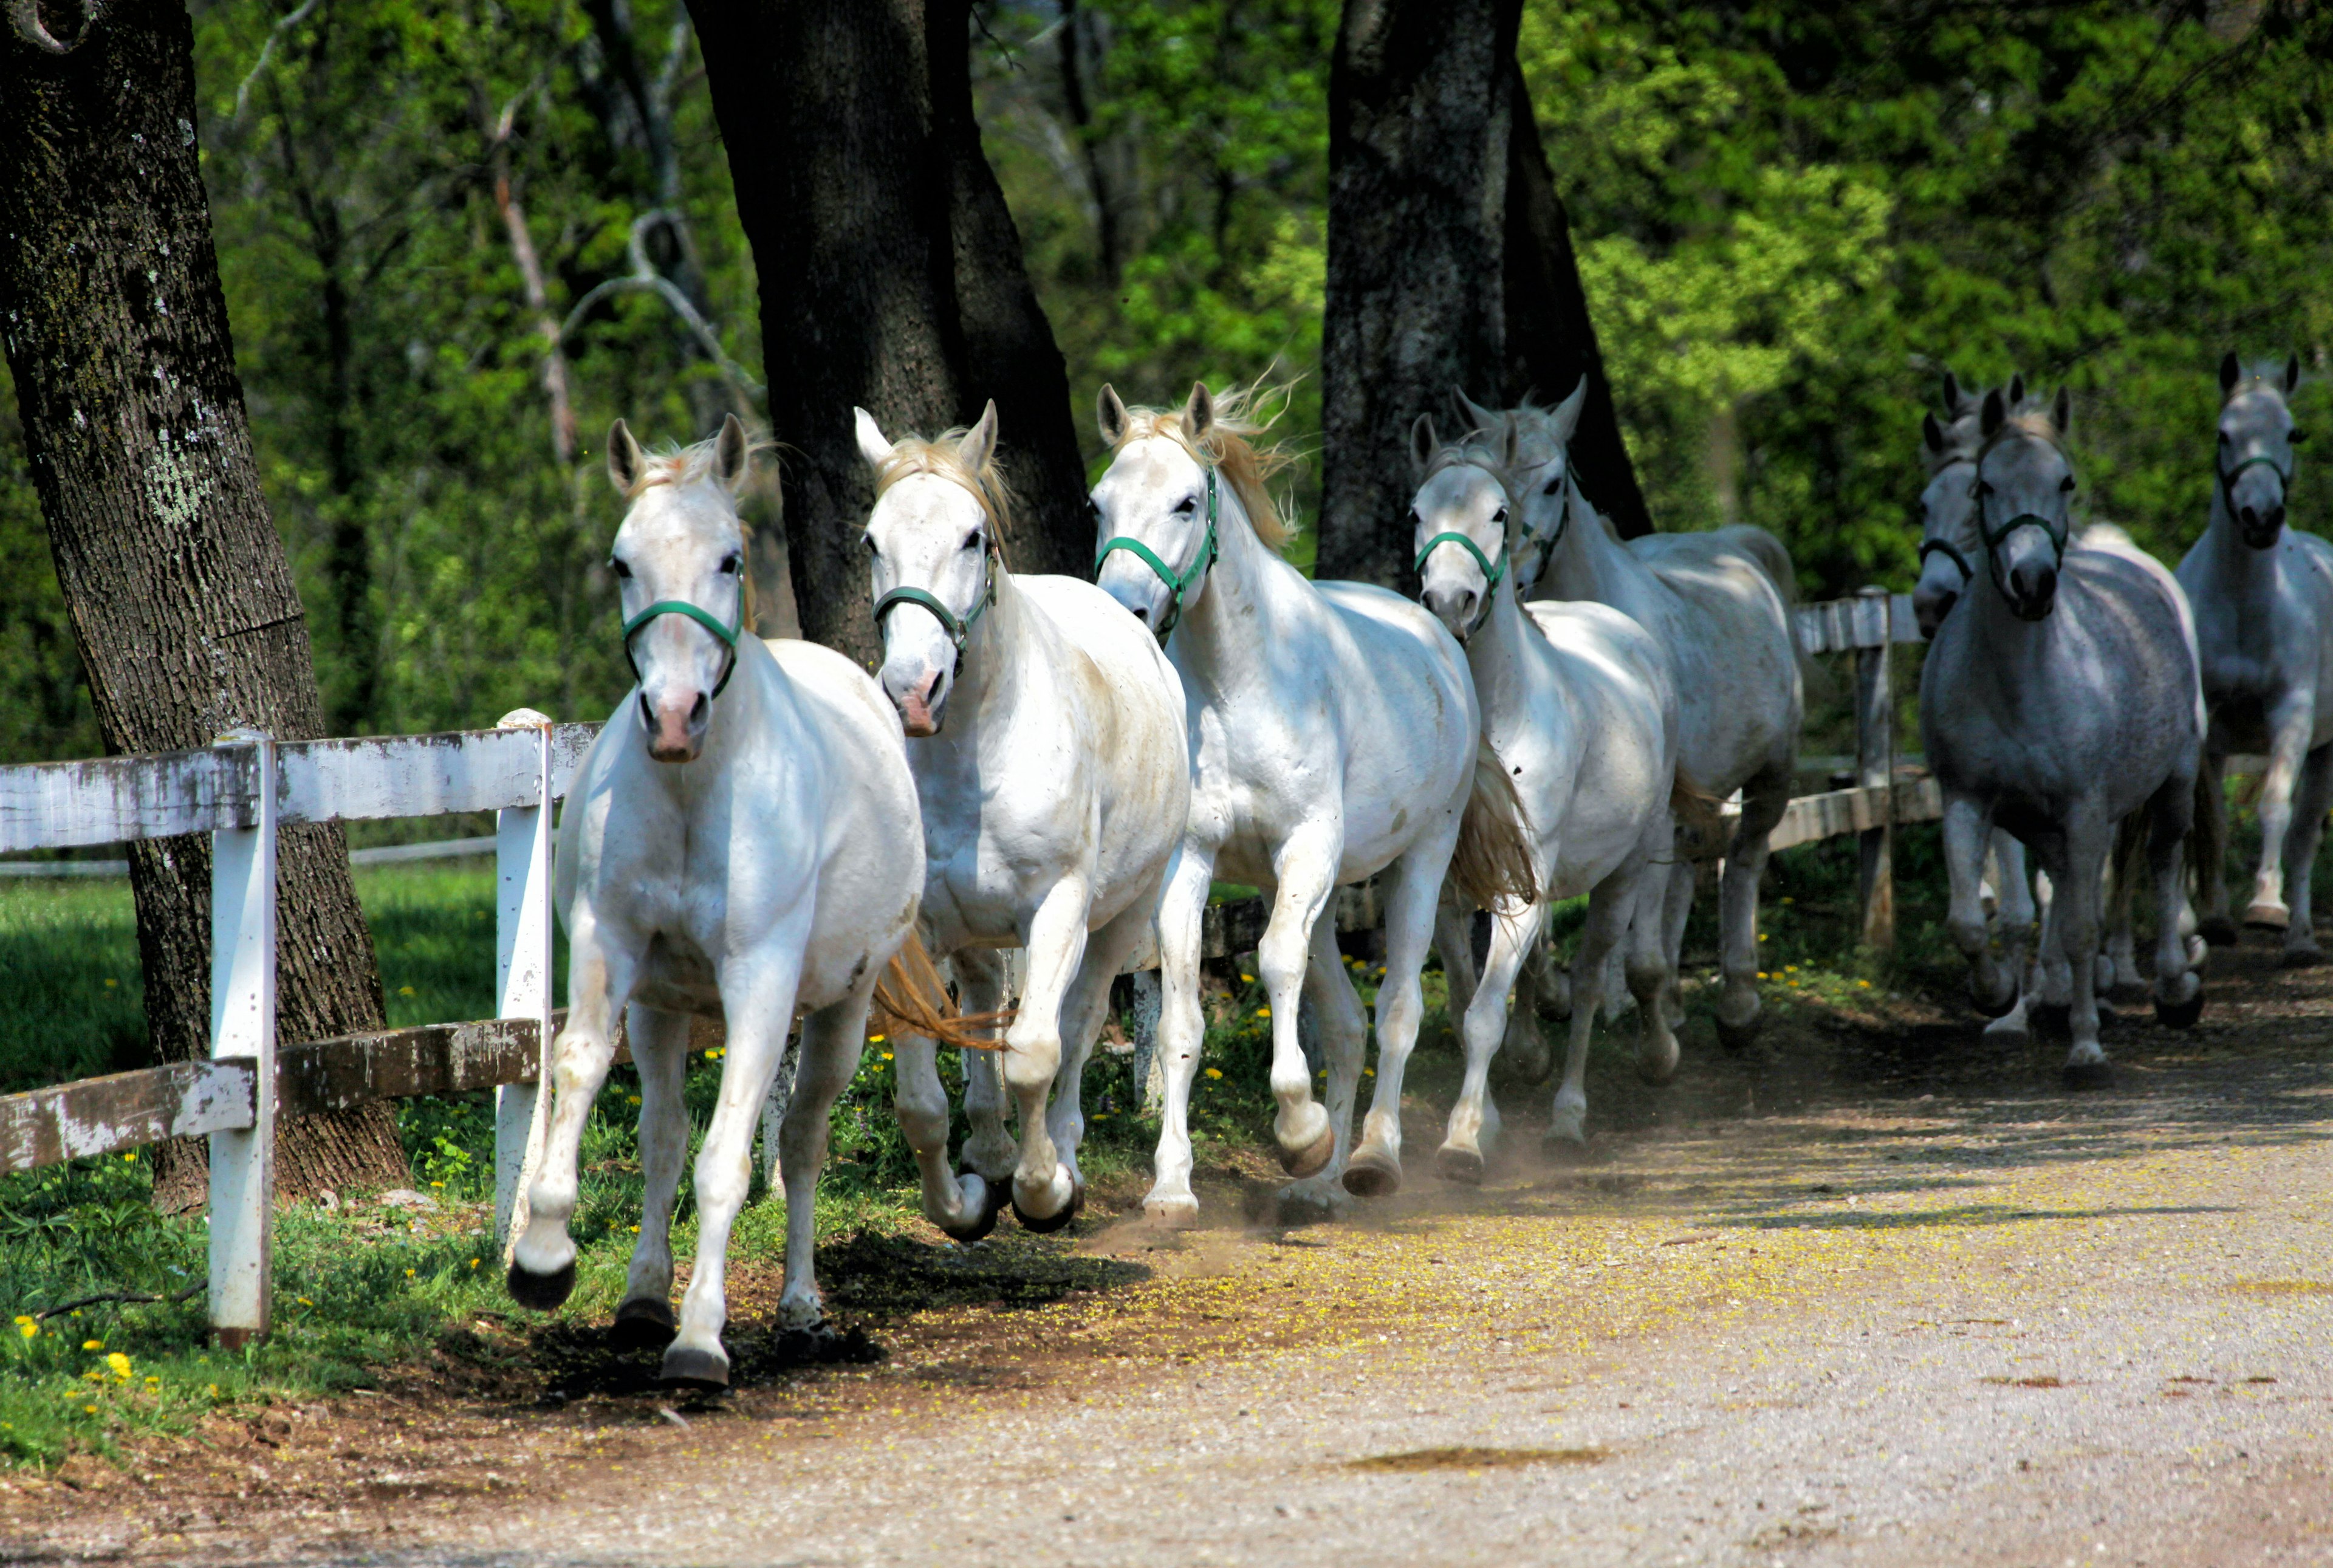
{"points": [[1419, 1459]]}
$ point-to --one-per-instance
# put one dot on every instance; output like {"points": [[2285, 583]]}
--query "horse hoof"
{"points": [[693, 1369], [1172, 1213], [643, 1324], [1561, 1149], [1453, 1163], [2180, 1014], [2267, 918], [1658, 1066], [2008, 1035], [2052, 1019], [1048, 1225], [1369, 1173], [993, 1196], [2219, 930], [541, 1291], [2082, 1075], [1314, 1156], [1740, 1036], [2307, 957], [1991, 1009]]}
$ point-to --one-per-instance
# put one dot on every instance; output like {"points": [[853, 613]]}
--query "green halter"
{"points": [[1489, 570], [1176, 586], [959, 632], [727, 634], [2228, 478]]}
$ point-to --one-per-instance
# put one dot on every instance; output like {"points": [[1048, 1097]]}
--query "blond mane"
{"points": [[1247, 467], [677, 467], [912, 455]]}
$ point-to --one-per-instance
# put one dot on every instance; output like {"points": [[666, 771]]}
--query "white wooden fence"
{"points": [[246, 786]]}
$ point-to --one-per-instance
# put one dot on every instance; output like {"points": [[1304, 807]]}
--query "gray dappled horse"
{"points": [[2062, 697]]}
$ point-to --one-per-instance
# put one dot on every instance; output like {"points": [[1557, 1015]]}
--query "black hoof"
{"points": [[643, 1324], [2054, 1019], [2219, 930], [2082, 1075], [1314, 1156], [542, 1291], [1463, 1166], [1740, 1036], [687, 1368], [994, 1195], [2180, 1014], [1992, 1009], [2303, 957], [1047, 1227], [1369, 1175]]}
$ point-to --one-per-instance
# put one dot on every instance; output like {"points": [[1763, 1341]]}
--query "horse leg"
{"points": [[2120, 968], [832, 1041], [989, 1150], [1344, 1028], [1045, 1195], [2290, 722], [965, 1206], [2209, 852], [1106, 951], [2074, 913], [2310, 801], [1965, 833], [757, 998], [1374, 1168], [1182, 1030], [1306, 871], [659, 1041], [2178, 989], [602, 967], [2014, 916], [1453, 941], [1676, 910], [1763, 799], [1609, 909], [1646, 968], [1524, 1047], [1475, 1120]]}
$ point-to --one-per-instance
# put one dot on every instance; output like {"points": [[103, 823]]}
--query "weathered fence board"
{"points": [[1867, 620], [57, 805], [123, 1111]]}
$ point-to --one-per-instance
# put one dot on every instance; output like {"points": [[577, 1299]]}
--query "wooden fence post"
{"points": [[522, 937], [243, 1027], [1875, 762]]}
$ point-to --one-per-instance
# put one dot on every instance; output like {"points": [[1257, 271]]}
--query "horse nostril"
{"points": [[1142, 614], [698, 709]]}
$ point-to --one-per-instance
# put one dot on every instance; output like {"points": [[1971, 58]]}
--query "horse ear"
{"points": [[1511, 444], [2291, 373], [979, 443], [871, 444], [1422, 441], [1483, 418], [2016, 390], [1199, 413], [1565, 419], [2231, 370], [2061, 410], [1932, 433], [1951, 396], [624, 459], [1995, 416], [1110, 413], [732, 454]]}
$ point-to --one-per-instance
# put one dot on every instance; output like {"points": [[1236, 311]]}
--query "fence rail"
{"points": [[243, 789]]}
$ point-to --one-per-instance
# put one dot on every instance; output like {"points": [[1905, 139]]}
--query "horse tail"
{"points": [[1700, 819], [912, 999], [1493, 860]]}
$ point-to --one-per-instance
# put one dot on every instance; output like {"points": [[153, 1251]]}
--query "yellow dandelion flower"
{"points": [[93, 1345], [474, 1262], [636, 1230], [110, 983], [120, 1365], [631, 1100], [409, 1273], [1214, 1072], [404, 990], [89, 1409], [29, 1329], [131, 1155], [303, 1301], [215, 1393], [1264, 1012], [1865, 984], [875, 1039]]}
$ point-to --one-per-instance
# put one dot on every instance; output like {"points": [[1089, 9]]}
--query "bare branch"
{"points": [[267, 51], [644, 278]]}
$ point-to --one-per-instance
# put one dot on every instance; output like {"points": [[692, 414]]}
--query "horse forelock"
{"points": [[942, 458], [1227, 445], [2030, 424], [678, 468], [1479, 450]]}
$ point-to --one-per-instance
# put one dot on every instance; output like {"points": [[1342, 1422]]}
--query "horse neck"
{"points": [[1222, 641], [1590, 563], [1497, 655], [2018, 649], [986, 686], [2240, 566], [758, 696]]}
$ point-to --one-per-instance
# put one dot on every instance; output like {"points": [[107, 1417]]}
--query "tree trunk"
{"points": [[1450, 268], [891, 276], [181, 597]]}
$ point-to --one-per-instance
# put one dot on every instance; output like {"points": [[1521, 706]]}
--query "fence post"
{"points": [[522, 935], [243, 1027], [1875, 762]]}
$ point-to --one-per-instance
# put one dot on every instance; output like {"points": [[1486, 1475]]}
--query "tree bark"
{"points": [[891, 276], [1450, 268], [181, 597]]}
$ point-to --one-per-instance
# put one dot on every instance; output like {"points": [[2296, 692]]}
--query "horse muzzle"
{"points": [[1931, 607], [1454, 606], [922, 700], [2032, 591], [676, 726], [2257, 529]]}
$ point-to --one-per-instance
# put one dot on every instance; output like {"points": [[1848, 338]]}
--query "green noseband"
{"points": [[727, 634], [1176, 586], [959, 630]]}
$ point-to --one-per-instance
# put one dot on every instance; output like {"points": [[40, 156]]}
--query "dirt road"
{"points": [[1882, 1298]]}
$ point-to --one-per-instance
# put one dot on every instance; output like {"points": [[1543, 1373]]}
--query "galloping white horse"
{"points": [[2263, 599], [1050, 761], [1333, 733], [1718, 605], [1577, 701], [740, 840], [2062, 697]]}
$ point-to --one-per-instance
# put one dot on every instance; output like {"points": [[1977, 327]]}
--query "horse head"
{"points": [[932, 541], [2252, 464], [680, 560], [1463, 523], [2022, 488]]}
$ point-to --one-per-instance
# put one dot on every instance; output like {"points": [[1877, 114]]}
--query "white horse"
{"points": [[2060, 699], [1333, 733], [1577, 701], [740, 840], [1050, 761], [1718, 605], [2263, 599]]}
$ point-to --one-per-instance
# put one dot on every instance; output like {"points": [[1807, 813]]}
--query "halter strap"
{"points": [[1947, 548], [1176, 586], [727, 634], [1547, 546], [959, 632], [1491, 571], [2228, 478]]}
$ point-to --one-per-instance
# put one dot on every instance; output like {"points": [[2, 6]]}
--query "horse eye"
{"points": [[868, 540], [2066, 484], [972, 539], [1553, 485], [729, 564], [616, 564], [1415, 520], [2296, 437], [1187, 503], [1983, 488], [1500, 516]]}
